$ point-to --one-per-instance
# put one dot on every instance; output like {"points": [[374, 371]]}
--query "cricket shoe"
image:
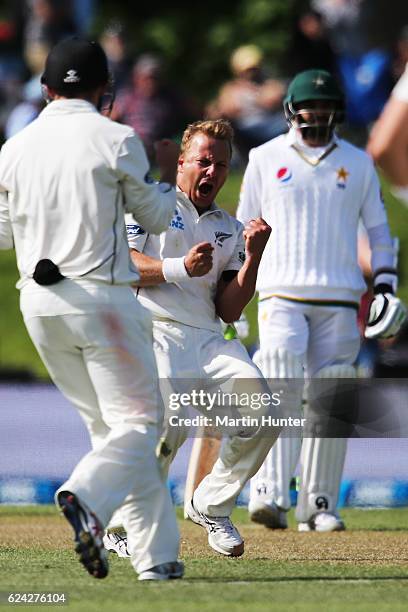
{"points": [[116, 542], [88, 534], [164, 571], [269, 515], [223, 537], [323, 521]]}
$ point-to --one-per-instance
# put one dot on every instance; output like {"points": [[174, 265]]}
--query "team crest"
{"points": [[221, 237], [342, 176], [284, 175]]}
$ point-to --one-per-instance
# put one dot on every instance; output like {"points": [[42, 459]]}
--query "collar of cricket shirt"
{"points": [[311, 155], [184, 199], [68, 106]]}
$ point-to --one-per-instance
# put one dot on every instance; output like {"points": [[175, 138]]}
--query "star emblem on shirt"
{"points": [[342, 174]]}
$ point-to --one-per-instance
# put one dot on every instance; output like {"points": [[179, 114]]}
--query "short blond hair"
{"points": [[217, 128]]}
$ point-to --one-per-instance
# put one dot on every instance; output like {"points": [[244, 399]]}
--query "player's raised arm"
{"points": [[151, 202], [233, 295]]}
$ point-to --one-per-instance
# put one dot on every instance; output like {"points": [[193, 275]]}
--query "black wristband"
{"points": [[383, 288]]}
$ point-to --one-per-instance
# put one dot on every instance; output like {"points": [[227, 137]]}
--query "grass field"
{"points": [[362, 569]]}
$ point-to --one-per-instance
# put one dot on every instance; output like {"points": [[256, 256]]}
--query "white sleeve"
{"points": [[372, 208], [151, 203], [136, 234], [6, 232], [238, 257], [250, 206], [384, 255]]}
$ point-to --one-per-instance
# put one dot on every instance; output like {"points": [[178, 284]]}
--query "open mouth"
{"points": [[205, 189]]}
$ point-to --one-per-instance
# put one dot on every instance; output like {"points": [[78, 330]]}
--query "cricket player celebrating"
{"points": [[204, 267], [65, 182], [312, 188]]}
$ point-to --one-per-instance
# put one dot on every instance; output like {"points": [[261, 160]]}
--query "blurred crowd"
{"points": [[361, 41]]}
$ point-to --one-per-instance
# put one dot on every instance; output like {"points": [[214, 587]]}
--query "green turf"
{"points": [[17, 351], [213, 583]]}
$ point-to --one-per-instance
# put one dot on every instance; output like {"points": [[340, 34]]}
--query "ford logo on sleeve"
{"points": [[284, 175]]}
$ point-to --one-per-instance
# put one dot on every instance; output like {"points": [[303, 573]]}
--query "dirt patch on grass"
{"points": [[44, 532], [378, 547], [368, 547]]}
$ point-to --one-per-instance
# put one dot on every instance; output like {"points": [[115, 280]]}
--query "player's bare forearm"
{"points": [[232, 297], [150, 269], [389, 139]]}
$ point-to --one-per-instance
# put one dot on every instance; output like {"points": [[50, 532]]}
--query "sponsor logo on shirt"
{"points": [[177, 221], [342, 175], [135, 230], [284, 175], [221, 237], [241, 256]]}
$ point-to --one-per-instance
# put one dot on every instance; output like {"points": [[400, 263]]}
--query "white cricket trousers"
{"points": [[182, 353], [324, 341], [100, 356]]}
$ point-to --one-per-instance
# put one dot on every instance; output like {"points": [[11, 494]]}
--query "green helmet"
{"points": [[312, 85]]}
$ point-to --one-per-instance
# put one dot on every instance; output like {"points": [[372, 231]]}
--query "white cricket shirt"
{"points": [[65, 182], [314, 212], [190, 301]]}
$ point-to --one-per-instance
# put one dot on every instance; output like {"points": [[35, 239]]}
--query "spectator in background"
{"points": [[83, 14], [31, 101], [310, 46], [27, 110], [250, 101], [49, 21], [154, 109], [362, 34], [113, 41], [12, 68]]}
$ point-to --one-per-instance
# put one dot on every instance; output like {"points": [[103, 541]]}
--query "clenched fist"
{"points": [[256, 235], [199, 260]]}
